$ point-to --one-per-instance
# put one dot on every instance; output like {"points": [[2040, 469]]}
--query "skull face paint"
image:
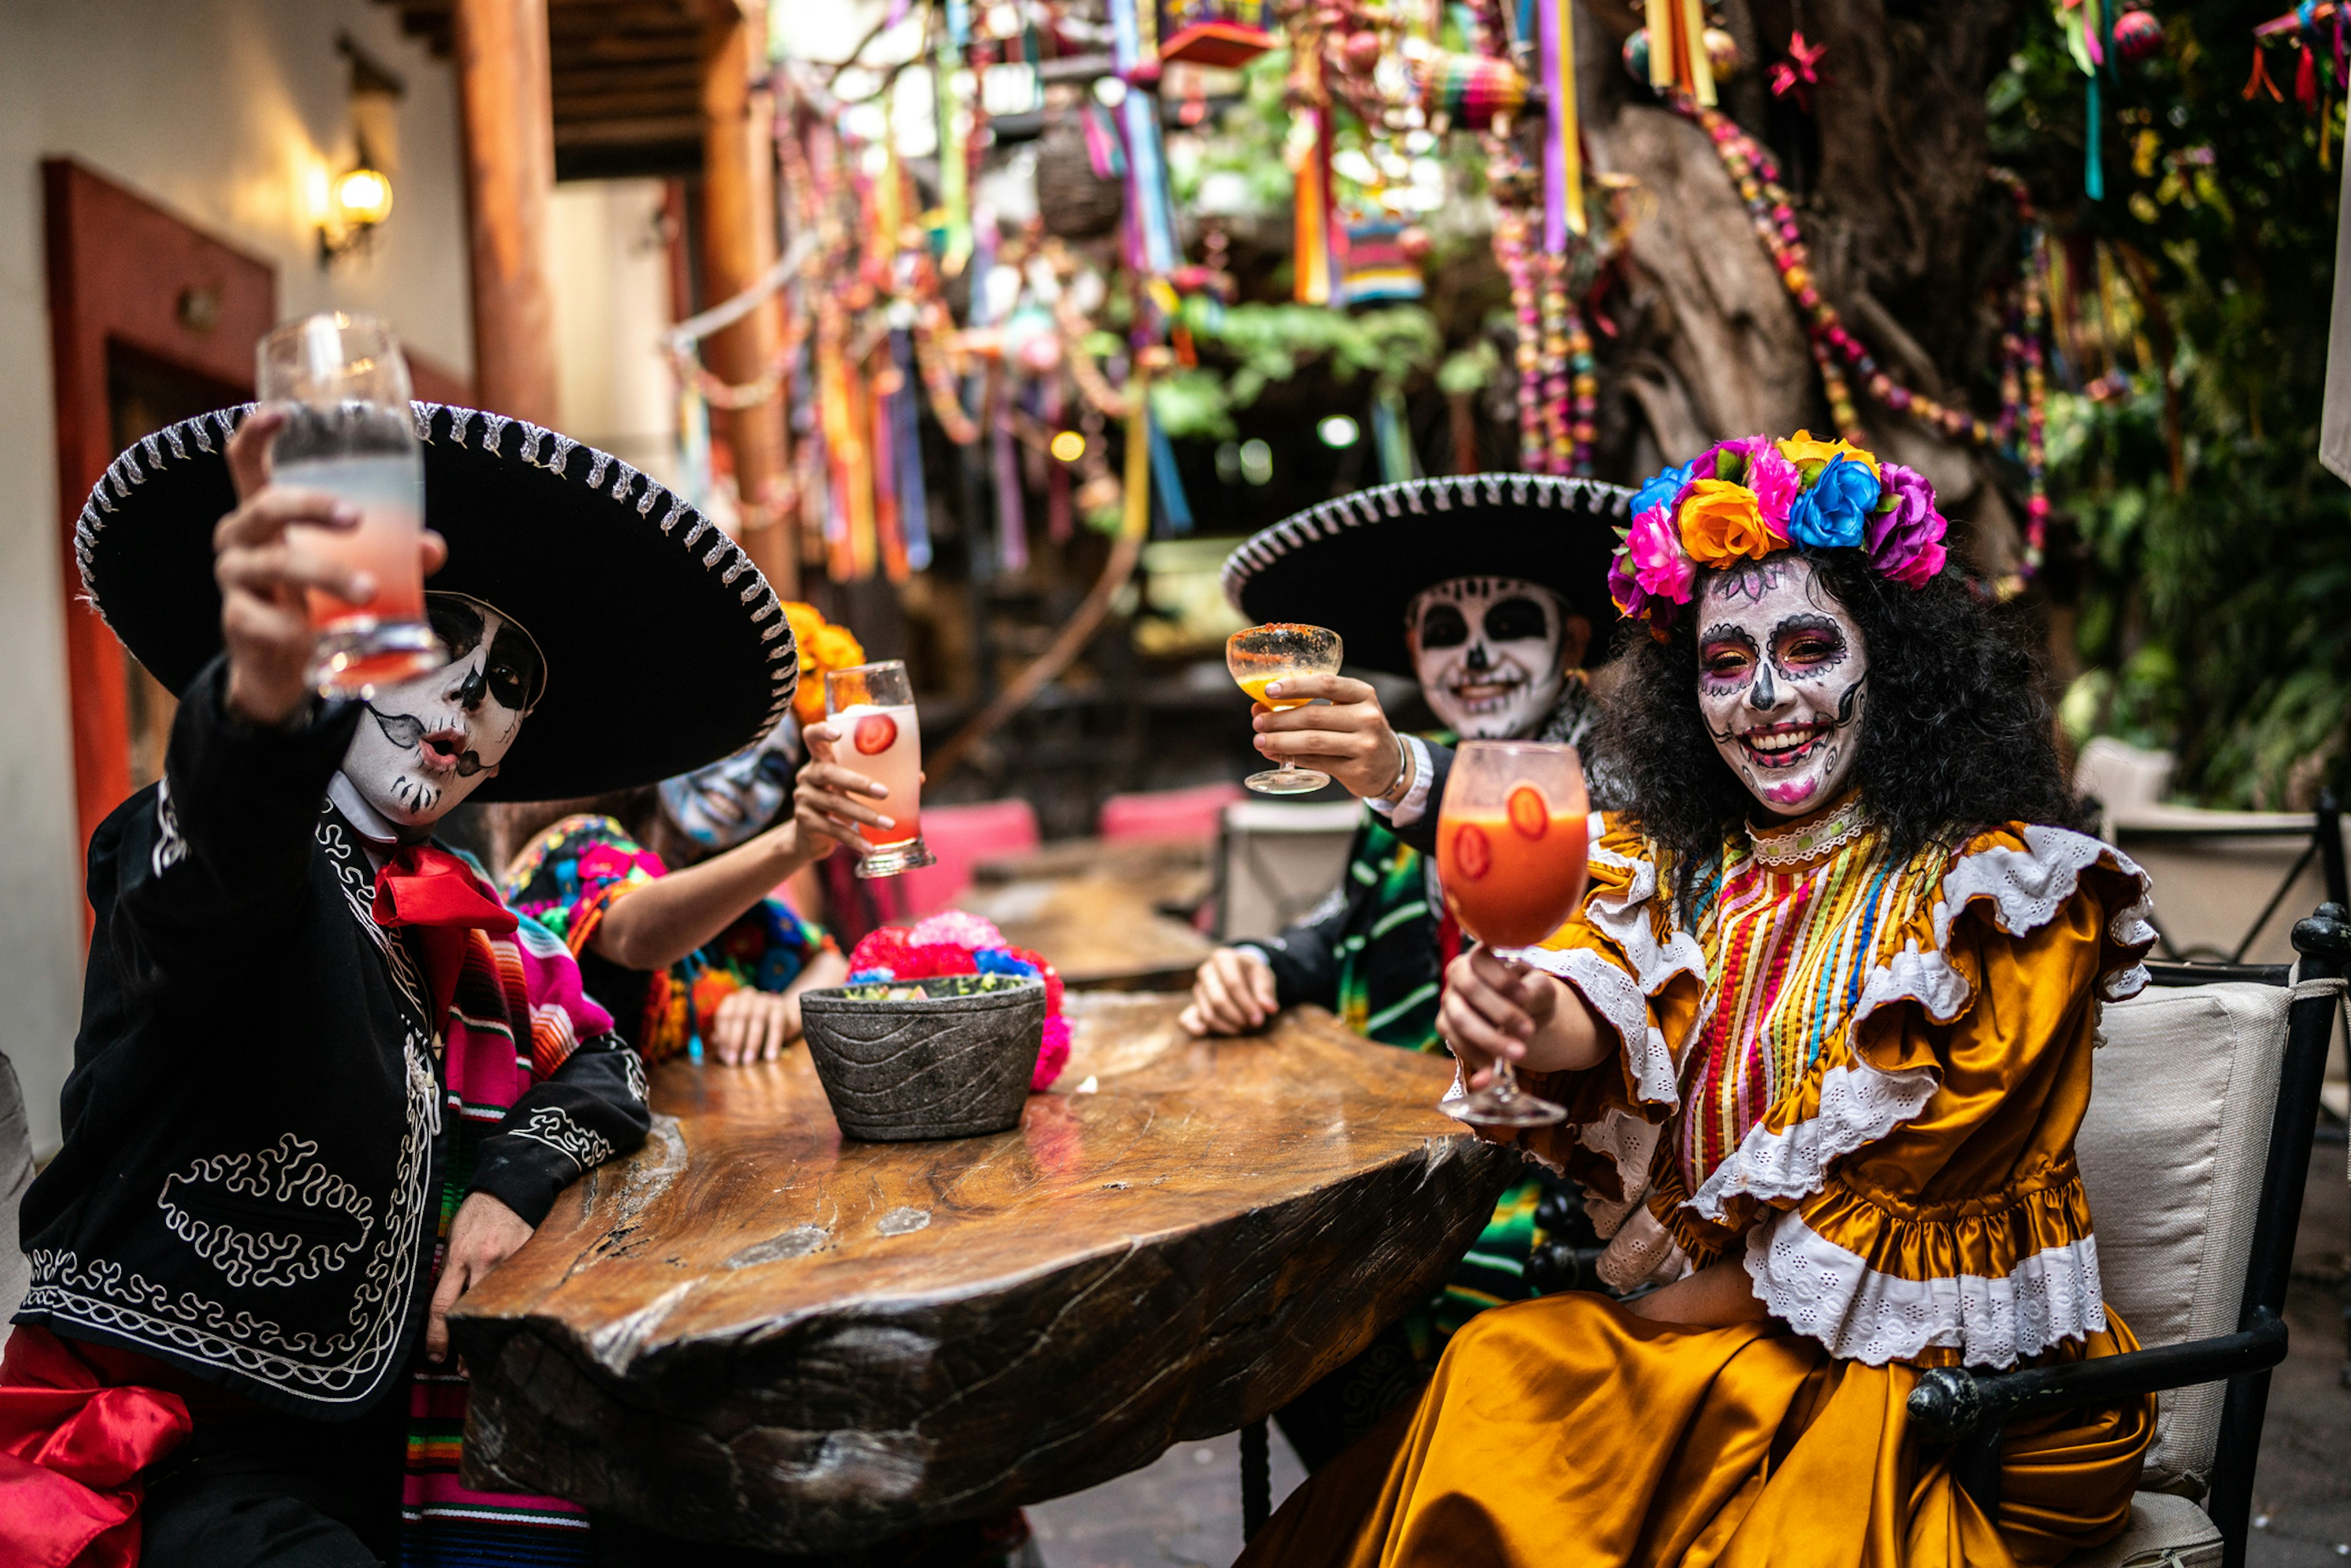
{"points": [[1781, 679], [720, 806], [1487, 653], [428, 743]]}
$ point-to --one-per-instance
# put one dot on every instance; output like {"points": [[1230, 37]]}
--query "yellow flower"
{"points": [[1721, 522], [822, 646], [1800, 449]]}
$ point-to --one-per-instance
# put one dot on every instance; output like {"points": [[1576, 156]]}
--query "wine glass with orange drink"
{"points": [[1510, 848], [1260, 655]]}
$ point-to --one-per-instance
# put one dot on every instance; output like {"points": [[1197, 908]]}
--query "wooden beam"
{"points": [[738, 214], [505, 96]]}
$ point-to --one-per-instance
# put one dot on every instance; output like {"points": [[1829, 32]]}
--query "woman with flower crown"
{"points": [[1831, 999]]}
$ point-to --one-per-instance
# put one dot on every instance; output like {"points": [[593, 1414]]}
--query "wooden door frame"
{"points": [[123, 270]]}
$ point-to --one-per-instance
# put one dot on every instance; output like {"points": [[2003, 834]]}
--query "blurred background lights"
{"points": [[1257, 462], [1068, 445], [1337, 430]]}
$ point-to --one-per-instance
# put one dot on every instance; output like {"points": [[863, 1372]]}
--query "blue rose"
{"points": [[1830, 514], [1661, 489]]}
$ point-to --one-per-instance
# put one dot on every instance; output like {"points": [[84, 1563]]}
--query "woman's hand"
{"points": [[752, 1025], [266, 578], [1232, 994], [1350, 739], [1493, 1009], [485, 1234], [830, 801]]}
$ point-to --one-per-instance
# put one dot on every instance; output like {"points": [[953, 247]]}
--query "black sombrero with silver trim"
{"points": [[1355, 563], [665, 647]]}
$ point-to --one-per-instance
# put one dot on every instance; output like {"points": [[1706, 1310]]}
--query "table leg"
{"points": [[1257, 1479]]}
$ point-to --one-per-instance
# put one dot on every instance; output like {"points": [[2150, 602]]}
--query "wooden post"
{"points": [[739, 243], [505, 95]]}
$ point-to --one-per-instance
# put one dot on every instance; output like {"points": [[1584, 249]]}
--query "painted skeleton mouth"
{"points": [[441, 751], [1784, 746], [1478, 694]]}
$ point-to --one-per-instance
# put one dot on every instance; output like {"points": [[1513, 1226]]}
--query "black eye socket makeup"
{"points": [[457, 622], [515, 672], [1516, 620], [1443, 626]]}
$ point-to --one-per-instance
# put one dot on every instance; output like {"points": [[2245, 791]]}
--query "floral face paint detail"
{"points": [[429, 742], [1487, 653], [1782, 675]]}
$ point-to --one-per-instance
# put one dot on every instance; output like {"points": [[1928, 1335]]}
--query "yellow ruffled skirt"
{"points": [[1565, 1432]]}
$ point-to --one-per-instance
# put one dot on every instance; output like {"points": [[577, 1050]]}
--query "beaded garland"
{"points": [[1756, 173]]}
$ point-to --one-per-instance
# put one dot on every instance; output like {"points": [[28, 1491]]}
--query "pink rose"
{"points": [[1904, 535], [1776, 484], [1659, 567]]}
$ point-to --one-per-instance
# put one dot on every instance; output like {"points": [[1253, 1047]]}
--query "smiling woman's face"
{"points": [[428, 743], [1782, 673]]}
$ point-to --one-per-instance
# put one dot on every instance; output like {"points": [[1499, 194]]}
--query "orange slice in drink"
{"points": [[1530, 813], [1473, 853]]}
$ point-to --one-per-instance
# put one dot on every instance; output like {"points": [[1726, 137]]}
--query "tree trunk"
{"points": [[1909, 241]]}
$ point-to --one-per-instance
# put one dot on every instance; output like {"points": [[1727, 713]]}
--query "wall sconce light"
{"points": [[357, 200]]}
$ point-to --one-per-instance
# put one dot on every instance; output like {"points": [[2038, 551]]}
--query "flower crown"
{"points": [[1743, 499]]}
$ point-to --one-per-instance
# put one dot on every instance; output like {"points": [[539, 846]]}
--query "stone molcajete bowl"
{"points": [[953, 1062]]}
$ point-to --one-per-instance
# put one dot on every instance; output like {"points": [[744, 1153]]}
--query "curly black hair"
{"points": [[1957, 734]]}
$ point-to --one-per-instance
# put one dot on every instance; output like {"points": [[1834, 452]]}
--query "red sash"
{"points": [[77, 1424]]}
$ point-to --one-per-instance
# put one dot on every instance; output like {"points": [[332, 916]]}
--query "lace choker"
{"points": [[1833, 829]]}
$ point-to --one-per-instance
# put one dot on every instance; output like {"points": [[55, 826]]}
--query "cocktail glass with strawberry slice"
{"points": [[1510, 848], [872, 706]]}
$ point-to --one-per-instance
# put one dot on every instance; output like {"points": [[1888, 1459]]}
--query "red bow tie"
{"points": [[434, 892], [420, 885]]}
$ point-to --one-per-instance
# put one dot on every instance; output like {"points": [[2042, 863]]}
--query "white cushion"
{"points": [[2171, 1154], [2164, 1531]]}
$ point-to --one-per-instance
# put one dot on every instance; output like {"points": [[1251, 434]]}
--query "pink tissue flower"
{"points": [[1053, 1056], [958, 927], [1776, 484], [1659, 567], [1905, 539]]}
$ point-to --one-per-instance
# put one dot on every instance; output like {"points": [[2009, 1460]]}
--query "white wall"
{"points": [[610, 277], [227, 112]]}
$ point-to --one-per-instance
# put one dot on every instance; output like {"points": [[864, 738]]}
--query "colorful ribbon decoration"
{"points": [[1563, 151], [1677, 57], [1148, 212]]}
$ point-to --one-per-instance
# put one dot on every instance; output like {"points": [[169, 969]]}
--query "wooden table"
{"points": [[752, 1332], [1097, 909]]}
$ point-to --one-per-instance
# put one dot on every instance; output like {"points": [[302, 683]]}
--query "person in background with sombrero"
{"points": [[326, 1080], [1485, 589]]}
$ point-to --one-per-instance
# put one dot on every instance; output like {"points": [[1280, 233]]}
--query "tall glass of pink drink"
{"points": [[343, 387], [871, 707]]}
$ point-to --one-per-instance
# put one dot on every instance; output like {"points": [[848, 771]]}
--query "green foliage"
{"points": [[2214, 615], [1255, 344]]}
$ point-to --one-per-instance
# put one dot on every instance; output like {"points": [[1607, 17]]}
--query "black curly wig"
{"points": [[1956, 734]]}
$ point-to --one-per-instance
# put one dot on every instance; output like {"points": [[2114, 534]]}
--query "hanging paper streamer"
{"points": [[884, 437], [1310, 144], [1392, 437], [906, 451], [1174, 505], [1677, 57], [1059, 520], [1134, 519], [955, 151], [1147, 204], [1011, 507], [1562, 155]]}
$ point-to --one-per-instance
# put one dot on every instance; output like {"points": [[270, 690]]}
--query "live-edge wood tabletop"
{"points": [[755, 1332]]}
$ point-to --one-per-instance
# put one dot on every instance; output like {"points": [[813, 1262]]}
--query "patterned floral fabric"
{"points": [[569, 881]]}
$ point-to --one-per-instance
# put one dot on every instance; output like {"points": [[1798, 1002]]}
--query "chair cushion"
{"points": [[2164, 1531], [2171, 1154]]}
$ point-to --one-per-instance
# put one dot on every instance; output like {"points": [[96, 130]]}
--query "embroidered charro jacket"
{"points": [[259, 1121]]}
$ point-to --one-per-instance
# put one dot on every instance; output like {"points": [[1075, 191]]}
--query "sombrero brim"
{"points": [[1355, 563], [665, 647]]}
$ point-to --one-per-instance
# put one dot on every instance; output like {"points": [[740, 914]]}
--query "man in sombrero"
{"points": [[325, 1081], [1485, 589]]}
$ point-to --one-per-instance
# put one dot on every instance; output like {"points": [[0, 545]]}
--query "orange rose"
{"points": [[1721, 522], [1812, 456]]}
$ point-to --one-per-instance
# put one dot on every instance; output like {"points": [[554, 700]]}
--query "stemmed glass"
{"points": [[343, 387], [1261, 655], [1510, 849]]}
